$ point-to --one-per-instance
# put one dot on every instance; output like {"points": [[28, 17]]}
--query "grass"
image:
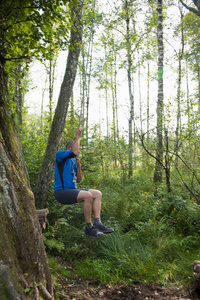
{"points": [[156, 239], [122, 258]]}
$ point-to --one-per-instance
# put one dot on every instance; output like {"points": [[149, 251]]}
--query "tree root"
{"points": [[7, 287], [45, 293]]}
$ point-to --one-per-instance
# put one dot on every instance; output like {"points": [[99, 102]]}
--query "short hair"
{"points": [[70, 144]]}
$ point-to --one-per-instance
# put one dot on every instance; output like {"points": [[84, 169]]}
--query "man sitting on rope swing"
{"points": [[67, 173]]}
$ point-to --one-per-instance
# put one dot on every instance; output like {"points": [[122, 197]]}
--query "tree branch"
{"points": [[45, 293], [189, 168], [187, 187], [195, 11], [142, 140], [37, 296], [21, 21], [165, 168], [17, 58]]}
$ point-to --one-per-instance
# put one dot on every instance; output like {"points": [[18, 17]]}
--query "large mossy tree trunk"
{"points": [[23, 258], [46, 172]]}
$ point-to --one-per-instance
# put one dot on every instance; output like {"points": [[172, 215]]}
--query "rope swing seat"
{"points": [[42, 217]]}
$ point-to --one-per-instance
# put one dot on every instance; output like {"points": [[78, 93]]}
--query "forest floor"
{"points": [[79, 289]]}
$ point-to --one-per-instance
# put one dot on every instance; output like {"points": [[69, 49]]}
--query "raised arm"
{"points": [[76, 145]]}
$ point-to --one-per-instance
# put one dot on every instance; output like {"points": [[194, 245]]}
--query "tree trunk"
{"points": [[47, 169], [130, 91], [88, 97], [148, 98], [52, 66], [159, 146], [114, 105], [18, 97], [198, 77], [188, 95], [22, 253], [178, 116], [167, 162], [140, 96]]}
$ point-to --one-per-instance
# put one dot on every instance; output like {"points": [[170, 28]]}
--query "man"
{"points": [[67, 174]]}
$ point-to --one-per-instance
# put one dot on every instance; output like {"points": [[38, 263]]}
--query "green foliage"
{"points": [[155, 240], [54, 244], [33, 29], [156, 235], [34, 143], [57, 268], [124, 257]]}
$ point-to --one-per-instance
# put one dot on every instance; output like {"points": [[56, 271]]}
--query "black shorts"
{"points": [[68, 196]]}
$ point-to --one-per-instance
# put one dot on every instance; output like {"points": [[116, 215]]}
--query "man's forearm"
{"points": [[76, 145], [79, 175]]}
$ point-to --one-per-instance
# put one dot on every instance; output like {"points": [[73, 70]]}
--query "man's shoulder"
{"points": [[62, 154], [64, 151]]}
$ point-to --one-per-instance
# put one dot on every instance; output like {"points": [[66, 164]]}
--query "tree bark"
{"points": [[22, 252], [131, 117], [52, 65], [17, 96], [198, 78], [47, 169], [159, 146], [178, 114]]}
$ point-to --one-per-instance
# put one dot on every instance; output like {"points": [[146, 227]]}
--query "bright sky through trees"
{"points": [[97, 110]]}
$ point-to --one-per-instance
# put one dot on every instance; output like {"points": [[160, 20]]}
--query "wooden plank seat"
{"points": [[42, 217]]}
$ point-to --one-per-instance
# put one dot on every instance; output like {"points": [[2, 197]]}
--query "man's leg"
{"points": [[96, 206], [87, 197]]}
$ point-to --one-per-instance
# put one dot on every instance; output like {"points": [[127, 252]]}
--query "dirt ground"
{"points": [[85, 290]]}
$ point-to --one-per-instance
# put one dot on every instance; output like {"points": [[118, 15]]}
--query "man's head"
{"points": [[69, 145]]}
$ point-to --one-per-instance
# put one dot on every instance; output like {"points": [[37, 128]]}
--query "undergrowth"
{"points": [[156, 238]]}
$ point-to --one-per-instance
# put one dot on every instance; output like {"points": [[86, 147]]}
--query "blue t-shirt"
{"points": [[64, 165]]}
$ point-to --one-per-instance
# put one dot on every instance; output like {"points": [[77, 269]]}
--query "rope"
{"points": [[88, 54]]}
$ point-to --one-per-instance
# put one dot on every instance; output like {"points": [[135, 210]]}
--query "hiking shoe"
{"points": [[102, 228], [93, 232]]}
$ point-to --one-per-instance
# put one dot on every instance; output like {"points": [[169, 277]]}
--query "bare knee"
{"points": [[99, 194], [88, 197], [96, 194], [84, 196]]}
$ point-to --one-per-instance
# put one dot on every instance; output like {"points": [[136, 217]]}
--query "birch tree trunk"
{"points": [[52, 66], [47, 169], [88, 97], [148, 97], [159, 146], [178, 116], [198, 76], [130, 164], [140, 95]]}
